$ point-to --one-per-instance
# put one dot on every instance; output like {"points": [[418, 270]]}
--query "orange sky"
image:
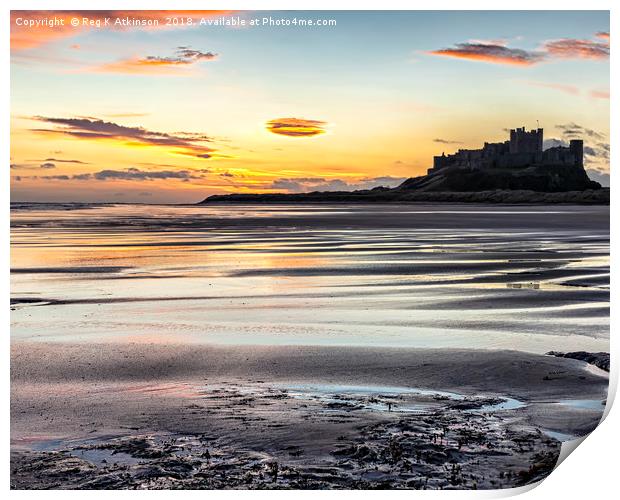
{"points": [[173, 114]]}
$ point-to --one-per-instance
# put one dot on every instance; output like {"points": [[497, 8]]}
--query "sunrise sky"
{"points": [[173, 114]]}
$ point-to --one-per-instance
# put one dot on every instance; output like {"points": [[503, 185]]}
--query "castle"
{"points": [[522, 150]]}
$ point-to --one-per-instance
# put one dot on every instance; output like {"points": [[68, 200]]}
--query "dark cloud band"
{"points": [[95, 129]]}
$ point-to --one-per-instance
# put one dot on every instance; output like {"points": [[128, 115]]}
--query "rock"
{"points": [[534, 183], [599, 359], [398, 195]]}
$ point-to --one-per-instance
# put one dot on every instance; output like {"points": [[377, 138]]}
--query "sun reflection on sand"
{"points": [[305, 275]]}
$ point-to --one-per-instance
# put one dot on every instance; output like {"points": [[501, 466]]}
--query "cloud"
{"points": [[569, 48], [58, 160], [165, 165], [53, 177], [287, 185], [571, 89], [599, 94], [596, 147], [308, 184], [296, 127], [183, 57], [82, 177], [129, 174], [554, 143], [188, 143], [187, 55], [498, 53], [143, 175], [491, 53], [575, 131], [567, 89], [25, 36], [446, 141], [23, 166], [599, 176], [47, 163]]}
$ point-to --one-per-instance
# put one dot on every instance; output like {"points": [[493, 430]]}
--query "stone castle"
{"points": [[522, 150]]}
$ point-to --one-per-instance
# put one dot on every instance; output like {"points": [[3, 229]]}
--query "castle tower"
{"points": [[526, 142], [576, 148]]}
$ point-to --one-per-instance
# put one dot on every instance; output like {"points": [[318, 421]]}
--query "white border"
{"points": [[588, 473]]}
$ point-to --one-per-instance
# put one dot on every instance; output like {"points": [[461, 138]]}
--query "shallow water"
{"points": [[527, 278], [393, 399], [560, 436], [583, 404]]}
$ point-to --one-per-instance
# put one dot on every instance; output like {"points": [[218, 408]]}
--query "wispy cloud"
{"points": [[129, 174], [569, 48], [596, 147], [188, 143], [308, 184], [571, 89], [136, 174], [498, 52], [491, 53], [599, 175], [47, 163], [22, 166], [567, 89], [446, 141], [183, 57], [575, 131], [599, 94], [59, 160]]}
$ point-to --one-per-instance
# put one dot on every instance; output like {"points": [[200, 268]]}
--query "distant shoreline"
{"points": [[588, 197]]}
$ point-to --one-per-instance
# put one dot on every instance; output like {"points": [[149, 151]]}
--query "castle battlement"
{"points": [[521, 150]]}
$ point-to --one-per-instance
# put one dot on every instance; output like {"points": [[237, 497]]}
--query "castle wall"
{"points": [[523, 149], [522, 159]]}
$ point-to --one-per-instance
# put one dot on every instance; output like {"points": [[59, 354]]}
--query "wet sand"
{"points": [[303, 346], [530, 278], [155, 416]]}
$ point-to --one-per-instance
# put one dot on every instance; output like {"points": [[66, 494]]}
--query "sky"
{"points": [[174, 113]]}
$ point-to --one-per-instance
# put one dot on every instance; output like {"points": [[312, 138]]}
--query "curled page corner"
{"points": [[569, 447]]}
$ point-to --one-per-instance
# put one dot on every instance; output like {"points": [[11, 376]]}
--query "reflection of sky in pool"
{"points": [[391, 399], [584, 404]]}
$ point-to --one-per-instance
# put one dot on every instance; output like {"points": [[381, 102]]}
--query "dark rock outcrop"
{"points": [[538, 178], [531, 184], [600, 359], [589, 197]]}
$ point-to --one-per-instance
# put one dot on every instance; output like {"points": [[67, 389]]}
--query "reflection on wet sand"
{"points": [[487, 277]]}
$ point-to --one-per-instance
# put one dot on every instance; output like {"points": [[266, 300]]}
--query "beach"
{"points": [[303, 347]]}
